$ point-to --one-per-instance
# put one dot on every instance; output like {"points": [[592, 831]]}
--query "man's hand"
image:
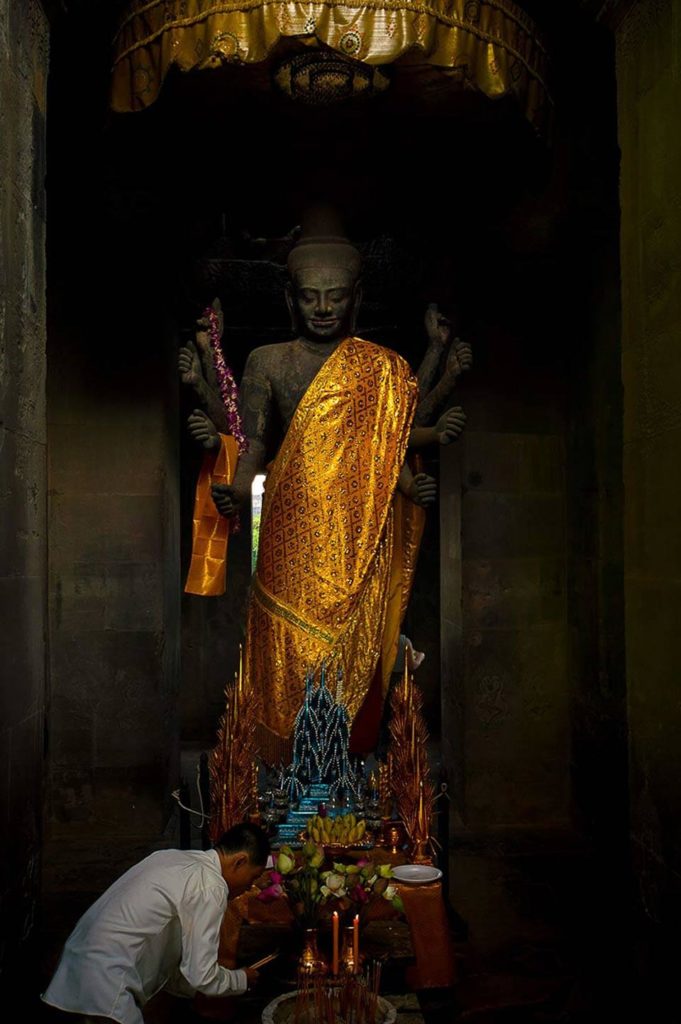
{"points": [[438, 327], [423, 490], [451, 425], [226, 499], [252, 976], [460, 358], [202, 429]]}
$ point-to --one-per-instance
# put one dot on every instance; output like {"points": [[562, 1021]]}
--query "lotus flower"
{"points": [[314, 854], [271, 893], [381, 886], [334, 881], [286, 861], [334, 885]]}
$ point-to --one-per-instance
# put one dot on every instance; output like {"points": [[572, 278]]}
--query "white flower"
{"points": [[390, 893], [336, 893], [334, 882]]}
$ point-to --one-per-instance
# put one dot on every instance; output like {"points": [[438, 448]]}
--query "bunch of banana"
{"points": [[342, 831]]}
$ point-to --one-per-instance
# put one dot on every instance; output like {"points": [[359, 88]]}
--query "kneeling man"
{"points": [[159, 927]]}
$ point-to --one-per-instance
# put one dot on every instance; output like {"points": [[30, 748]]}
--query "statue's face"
{"points": [[325, 300]]}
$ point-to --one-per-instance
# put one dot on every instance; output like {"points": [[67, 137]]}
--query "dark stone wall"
{"points": [[649, 95], [23, 542], [515, 677], [114, 582], [533, 686]]}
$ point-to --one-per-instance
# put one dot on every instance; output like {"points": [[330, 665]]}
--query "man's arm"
{"points": [[200, 919]]}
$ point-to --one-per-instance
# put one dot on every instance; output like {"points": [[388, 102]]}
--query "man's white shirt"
{"points": [[157, 926]]}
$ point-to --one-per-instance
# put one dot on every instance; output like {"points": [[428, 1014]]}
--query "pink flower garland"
{"points": [[229, 392]]}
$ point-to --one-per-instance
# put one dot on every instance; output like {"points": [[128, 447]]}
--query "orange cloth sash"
{"points": [[330, 580], [210, 531]]}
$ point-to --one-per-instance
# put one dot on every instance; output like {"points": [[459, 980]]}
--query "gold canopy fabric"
{"points": [[336, 557], [489, 45]]}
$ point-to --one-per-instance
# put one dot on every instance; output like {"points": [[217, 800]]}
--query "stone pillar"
{"points": [[23, 548], [649, 99], [451, 629]]}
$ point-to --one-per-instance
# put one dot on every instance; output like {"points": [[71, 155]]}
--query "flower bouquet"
{"points": [[353, 889], [296, 876], [349, 889]]}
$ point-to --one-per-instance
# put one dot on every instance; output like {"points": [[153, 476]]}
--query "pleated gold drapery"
{"points": [[489, 45], [336, 556]]}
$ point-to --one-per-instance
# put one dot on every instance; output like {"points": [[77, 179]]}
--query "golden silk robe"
{"points": [[338, 544]]}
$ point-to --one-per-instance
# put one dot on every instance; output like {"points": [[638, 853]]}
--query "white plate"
{"points": [[417, 874]]}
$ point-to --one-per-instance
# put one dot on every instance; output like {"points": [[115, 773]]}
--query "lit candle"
{"points": [[335, 943], [355, 942]]}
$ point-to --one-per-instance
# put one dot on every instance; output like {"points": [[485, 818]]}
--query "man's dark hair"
{"points": [[246, 838]]}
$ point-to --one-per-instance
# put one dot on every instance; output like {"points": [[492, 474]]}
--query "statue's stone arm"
{"points": [[448, 428], [255, 403], [419, 488], [459, 360], [438, 329], [197, 369], [192, 374]]}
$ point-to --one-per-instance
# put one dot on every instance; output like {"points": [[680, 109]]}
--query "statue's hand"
{"points": [[226, 499], [189, 365], [206, 363], [423, 490], [203, 324], [438, 327], [460, 358], [202, 429], [451, 425]]}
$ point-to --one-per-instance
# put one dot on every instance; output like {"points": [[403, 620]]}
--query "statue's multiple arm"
{"points": [[438, 329], [451, 424], [459, 360], [419, 488], [255, 403], [195, 363]]}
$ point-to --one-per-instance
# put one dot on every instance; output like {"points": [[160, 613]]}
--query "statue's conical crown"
{"points": [[323, 242]]}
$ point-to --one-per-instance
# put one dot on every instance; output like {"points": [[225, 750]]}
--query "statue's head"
{"points": [[324, 292]]}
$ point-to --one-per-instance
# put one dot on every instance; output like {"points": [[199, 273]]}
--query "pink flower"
{"points": [[363, 862], [271, 893], [359, 895], [276, 878]]}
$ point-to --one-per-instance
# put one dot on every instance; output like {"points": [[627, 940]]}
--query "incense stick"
{"points": [[265, 960]]}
